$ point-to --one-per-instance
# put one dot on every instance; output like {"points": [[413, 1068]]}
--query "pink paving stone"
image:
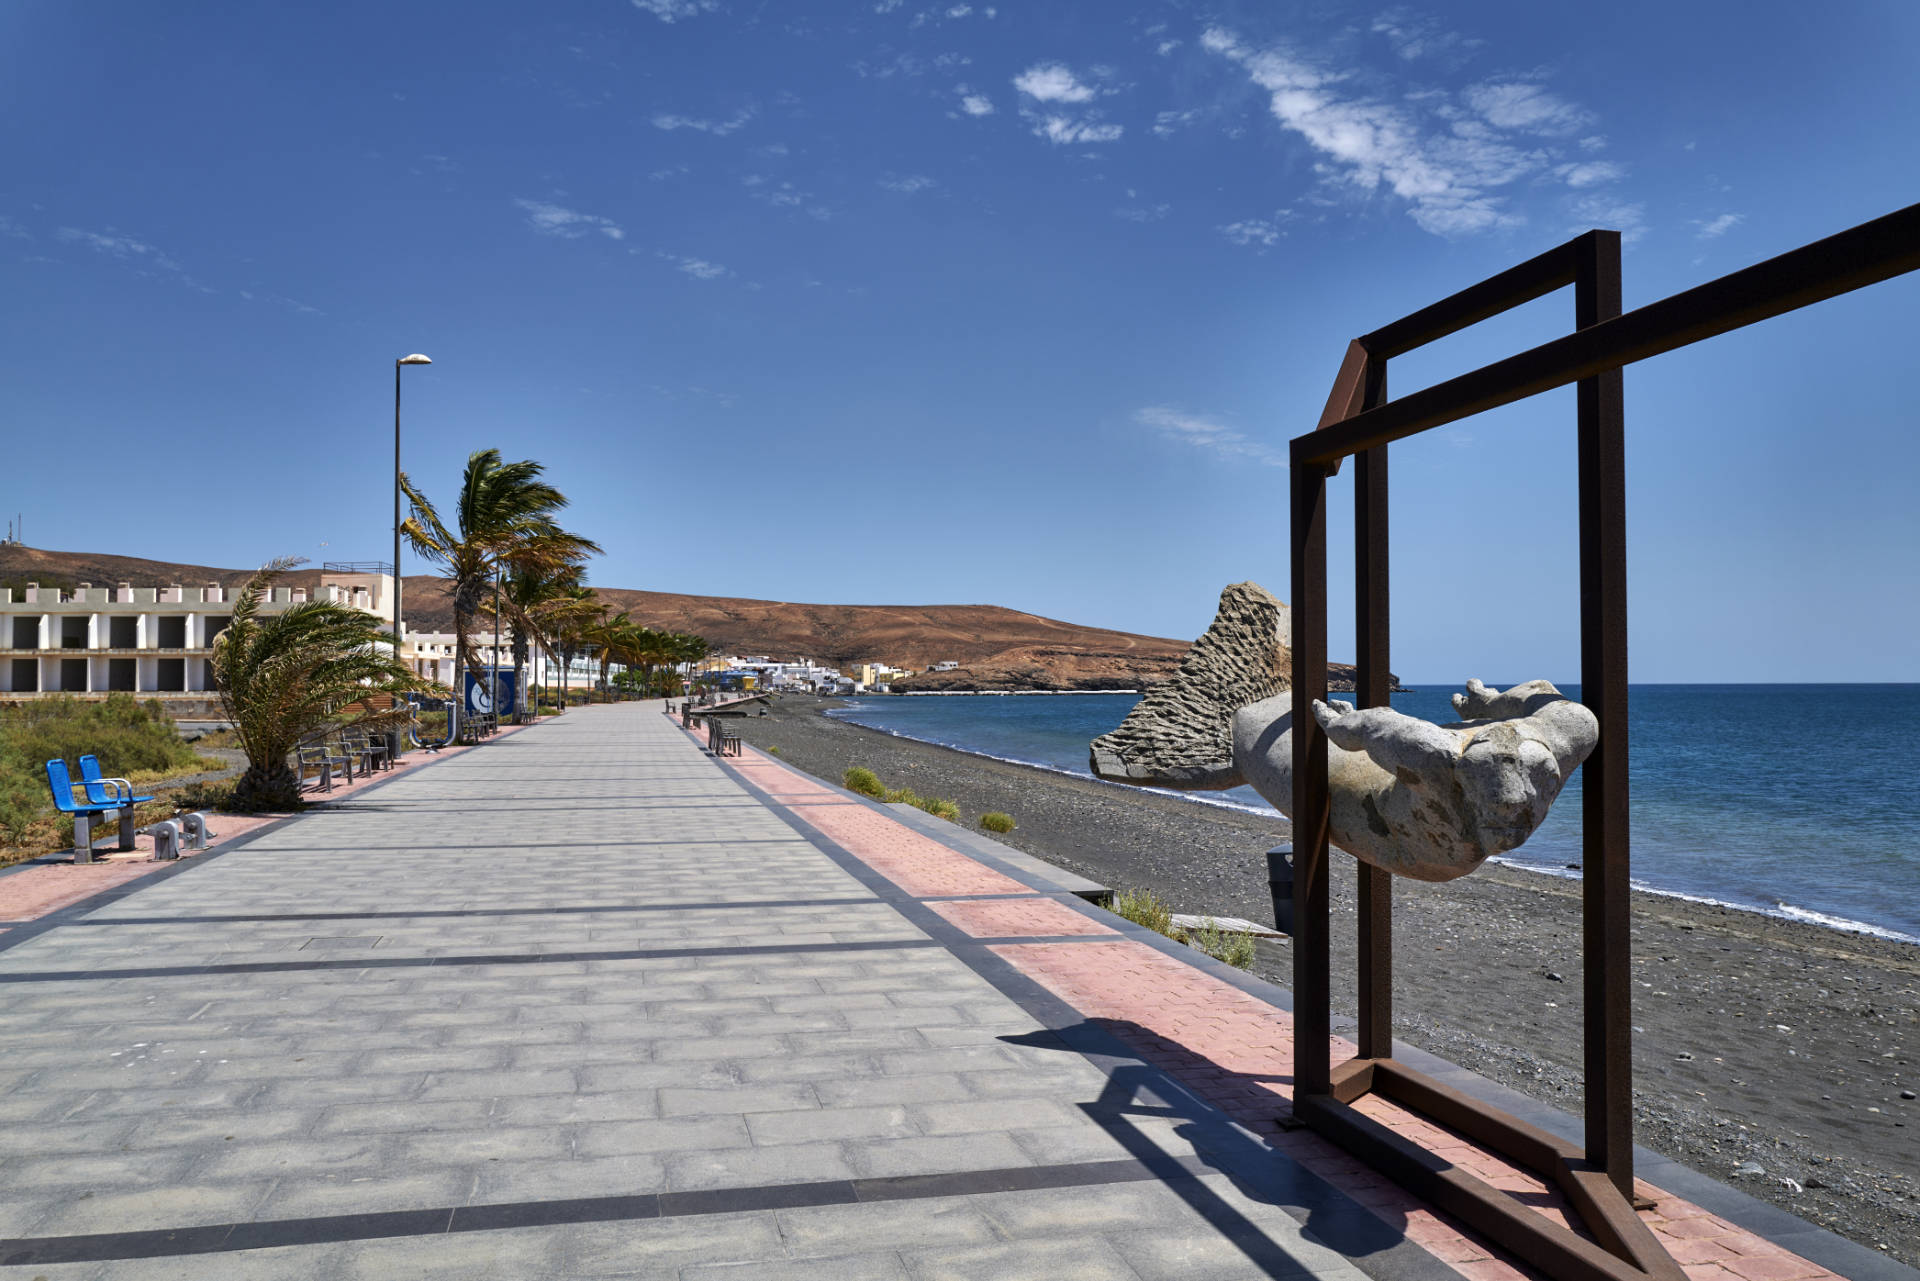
{"points": [[1016, 918]]}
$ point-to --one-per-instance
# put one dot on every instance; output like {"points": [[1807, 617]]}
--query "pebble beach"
{"points": [[1782, 1057]]}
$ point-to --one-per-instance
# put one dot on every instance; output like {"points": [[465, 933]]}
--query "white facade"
{"points": [[143, 640]]}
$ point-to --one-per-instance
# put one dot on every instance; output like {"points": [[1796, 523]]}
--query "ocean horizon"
{"points": [[1736, 799]]}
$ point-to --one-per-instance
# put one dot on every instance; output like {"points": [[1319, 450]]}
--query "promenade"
{"points": [[588, 1002]]}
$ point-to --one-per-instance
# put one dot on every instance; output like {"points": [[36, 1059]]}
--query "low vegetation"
{"points": [[1145, 908], [859, 778], [995, 821], [134, 740]]}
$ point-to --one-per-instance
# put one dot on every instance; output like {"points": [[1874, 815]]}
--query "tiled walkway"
{"points": [[586, 1002]]}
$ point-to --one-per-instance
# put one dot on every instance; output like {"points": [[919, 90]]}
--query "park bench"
{"points": [[324, 759], [719, 742], [60, 783], [367, 754]]}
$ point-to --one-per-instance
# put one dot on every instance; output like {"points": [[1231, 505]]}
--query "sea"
{"points": [[1798, 801]]}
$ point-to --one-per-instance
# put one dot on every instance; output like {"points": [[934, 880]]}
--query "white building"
{"points": [[143, 640]]}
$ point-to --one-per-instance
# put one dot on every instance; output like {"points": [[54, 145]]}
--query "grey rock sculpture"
{"points": [[1179, 734], [1425, 801]]}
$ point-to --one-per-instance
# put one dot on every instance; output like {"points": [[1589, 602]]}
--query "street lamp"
{"points": [[415, 359]]}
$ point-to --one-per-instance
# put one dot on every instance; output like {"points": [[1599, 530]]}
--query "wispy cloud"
{"points": [[784, 195], [675, 10], [1414, 36], [1202, 433], [1142, 213], [698, 268], [975, 104], [13, 230], [568, 224], [1053, 82], [1627, 217], [1264, 232], [1447, 154], [144, 258], [1062, 130], [1523, 104], [1714, 228], [1590, 173], [908, 184], [1061, 91], [1168, 123], [718, 128]]}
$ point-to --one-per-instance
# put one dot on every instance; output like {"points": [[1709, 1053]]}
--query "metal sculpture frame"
{"points": [[1361, 422]]}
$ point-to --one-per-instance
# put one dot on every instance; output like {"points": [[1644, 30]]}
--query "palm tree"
{"points": [[535, 603], [504, 521], [290, 677]]}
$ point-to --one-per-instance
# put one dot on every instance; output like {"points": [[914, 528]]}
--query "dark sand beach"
{"points": [[1769, 1053]]}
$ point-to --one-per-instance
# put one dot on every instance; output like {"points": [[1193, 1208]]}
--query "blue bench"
{"points": [[98, 787], [60, 783]]}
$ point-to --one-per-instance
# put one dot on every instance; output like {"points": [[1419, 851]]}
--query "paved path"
{"points": [[586, 1003]]}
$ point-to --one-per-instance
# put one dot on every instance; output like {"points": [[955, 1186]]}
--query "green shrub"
{"points": [[997, 822], [773, 751], [1235, 947], [860, 779], [940, 807], [21, 798], [1144, 907], [129, 737], [902, 796]]}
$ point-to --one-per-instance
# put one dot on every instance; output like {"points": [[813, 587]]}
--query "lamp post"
{"points": [[415, 359]]}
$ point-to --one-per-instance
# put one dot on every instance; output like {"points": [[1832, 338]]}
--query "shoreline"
{"points": [[1762, 1040], [1782, 911]]}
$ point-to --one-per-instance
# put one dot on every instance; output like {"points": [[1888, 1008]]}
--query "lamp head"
{"points": [[415, 359]]}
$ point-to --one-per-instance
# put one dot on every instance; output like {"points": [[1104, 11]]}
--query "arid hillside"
{"points": [[1001, 648]]}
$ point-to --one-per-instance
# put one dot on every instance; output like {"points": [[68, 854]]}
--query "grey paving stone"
{"points": [[670, 1134], [1071, 1259], [827, 1124], [654, 1247], [886, 1225], [935, 1155], [885, 1266], [739, 1099]]}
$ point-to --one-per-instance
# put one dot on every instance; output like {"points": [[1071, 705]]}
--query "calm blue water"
{"points": [[1799, 800]]}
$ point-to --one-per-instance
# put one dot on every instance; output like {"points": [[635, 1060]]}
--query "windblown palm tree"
{"points": [[503, 521], [537, 604], [287, 678]]}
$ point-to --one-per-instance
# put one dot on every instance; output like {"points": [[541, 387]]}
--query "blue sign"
{"points": [[480, 691]]}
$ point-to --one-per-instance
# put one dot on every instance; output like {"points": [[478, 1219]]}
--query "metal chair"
{"points": [[60, 783]]}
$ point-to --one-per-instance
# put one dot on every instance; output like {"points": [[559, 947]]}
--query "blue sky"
{"points": [[963, 302]]}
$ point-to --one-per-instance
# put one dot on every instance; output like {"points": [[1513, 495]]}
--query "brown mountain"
{"points": [[996, 648]]}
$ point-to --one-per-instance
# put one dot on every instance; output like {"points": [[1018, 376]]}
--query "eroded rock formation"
{"points": [[1180, 733]]}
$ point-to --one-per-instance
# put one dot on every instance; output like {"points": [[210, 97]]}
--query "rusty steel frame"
{"points": [[1361, 422]]}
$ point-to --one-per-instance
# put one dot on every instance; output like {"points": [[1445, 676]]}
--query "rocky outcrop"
{"points": [[1180, 733], [1430, 802]]}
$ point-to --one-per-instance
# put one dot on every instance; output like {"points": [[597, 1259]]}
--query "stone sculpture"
{"points": [[1179, 734], [1425, 801]]}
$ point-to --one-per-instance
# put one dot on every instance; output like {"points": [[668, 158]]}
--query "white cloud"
{"points": [[1203, 434], [1714, 228], [569, 224], [1415, 36], [1524, 105], [674, 10], [1166, 47], [1052, 82], [1142, 213], [718, 128], [1590, 173], [908, 184], [10, 228], [976, 104], [115, 245], [1627, 217], [1447, 156], [1061, 130], [960, 11], [1253, 231], [1168, 123], [698, 268]]}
